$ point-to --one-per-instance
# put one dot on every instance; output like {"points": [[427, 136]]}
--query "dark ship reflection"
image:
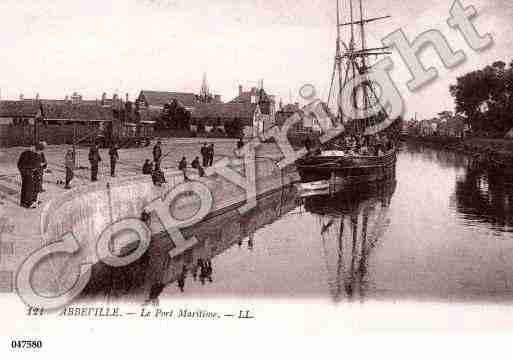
{"points": [[351, 223]]}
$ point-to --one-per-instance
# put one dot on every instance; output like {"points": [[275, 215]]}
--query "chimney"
{"points": [[240, 90], [104, 98]]}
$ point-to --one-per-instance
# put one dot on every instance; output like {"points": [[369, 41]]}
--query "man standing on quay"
{"points": [[40, 147], [94, 158], [28, 164], [211, 155], [114, 157], [157, 154], [69, 163], [204, 155]]}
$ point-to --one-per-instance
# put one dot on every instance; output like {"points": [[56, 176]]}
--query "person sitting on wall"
{"points": [[196, 164], [157, 176], [146, 217], [240, 143], [147, 167]]}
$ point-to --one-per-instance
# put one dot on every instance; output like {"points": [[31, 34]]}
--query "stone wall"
{"points": [[87, 211]]}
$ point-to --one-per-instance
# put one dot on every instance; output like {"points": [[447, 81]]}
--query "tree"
{"points": [[485, 97], [233, 128], [174, 115]]}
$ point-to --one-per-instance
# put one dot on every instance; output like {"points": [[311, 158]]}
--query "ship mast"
{"points": [[355, 59]]}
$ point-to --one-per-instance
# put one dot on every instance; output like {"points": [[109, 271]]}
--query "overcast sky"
{"points": [[91, 46]]}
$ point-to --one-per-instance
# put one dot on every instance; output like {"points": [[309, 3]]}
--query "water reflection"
{"points": [[485, 195], [155, 271], [442, 233], [443, 158], [351, 223]]}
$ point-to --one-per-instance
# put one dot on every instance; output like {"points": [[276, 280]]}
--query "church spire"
{"points": [[204, 91]]}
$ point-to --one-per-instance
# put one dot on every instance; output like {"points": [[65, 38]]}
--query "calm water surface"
{"points": [[442, 231]]}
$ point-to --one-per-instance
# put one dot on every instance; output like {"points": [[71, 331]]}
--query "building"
{"points": [[205, 96], [149, 104], [429, 127], [284, 112], [155, 100], [215, 117], [21, 112], [453, 126], [265, 102]]}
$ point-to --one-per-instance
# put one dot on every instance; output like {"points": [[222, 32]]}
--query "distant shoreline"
{"points": [[499, 149]]}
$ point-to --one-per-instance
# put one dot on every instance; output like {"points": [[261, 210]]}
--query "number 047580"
{"points": [[26, 344]]}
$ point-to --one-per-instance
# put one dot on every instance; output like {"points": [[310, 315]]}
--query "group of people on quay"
{"points": [[32, 165], [154, 168], [95, 158]]}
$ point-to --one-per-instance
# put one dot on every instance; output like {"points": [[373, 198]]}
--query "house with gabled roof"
{"points": [[156, 100], [265, 102], [217, 115]]}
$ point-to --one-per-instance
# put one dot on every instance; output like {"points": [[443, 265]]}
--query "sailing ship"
{"points": [[357, 155]]}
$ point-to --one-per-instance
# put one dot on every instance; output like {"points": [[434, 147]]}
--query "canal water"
{"points": [[442, 231]]}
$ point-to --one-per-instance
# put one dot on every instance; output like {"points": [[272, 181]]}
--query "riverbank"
{"points": [[499, 149]]}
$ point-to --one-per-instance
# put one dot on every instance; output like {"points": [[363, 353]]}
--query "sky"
{"points": [[123, 46]]}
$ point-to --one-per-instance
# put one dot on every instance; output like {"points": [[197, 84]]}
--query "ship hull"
{"points": [[347, 170]]}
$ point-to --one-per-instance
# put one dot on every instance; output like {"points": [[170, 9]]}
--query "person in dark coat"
{"points": [[147, 168], [240, 143], [94, 159], [211, 155], [181, 278], [114, 157], [69, 164], [204, 155], [308, 145], [42, 167], [157, 154], [28, 163], [182, 166]]}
